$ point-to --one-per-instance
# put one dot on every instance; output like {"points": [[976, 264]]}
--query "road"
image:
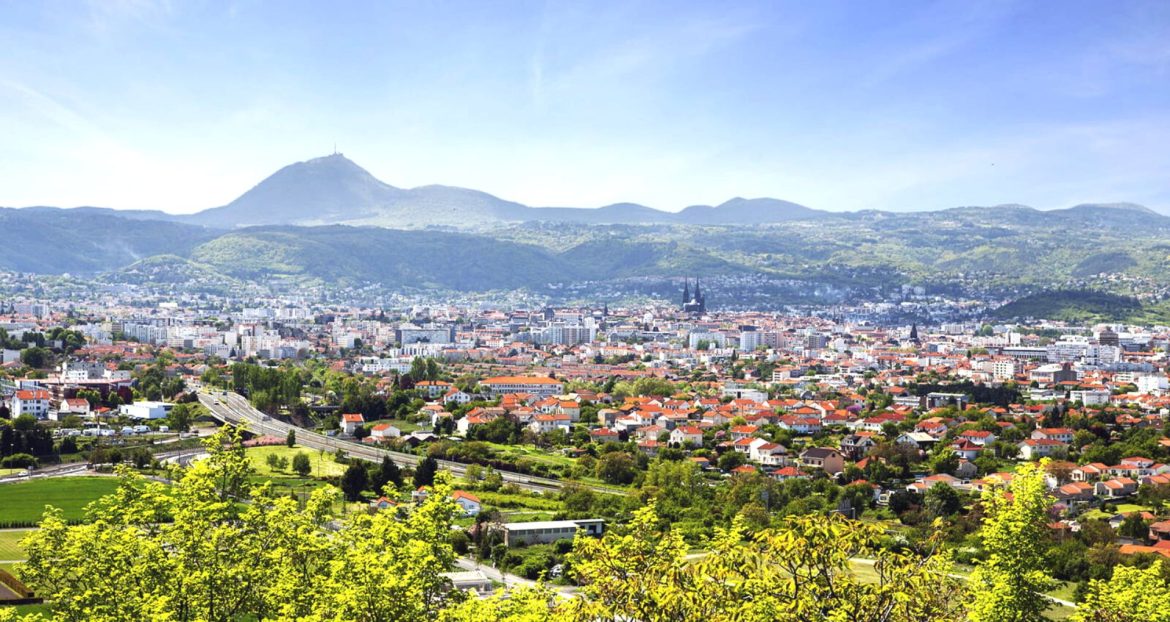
{"points": [[508, 579], [56, 470], [182, 456], [235, 409]]}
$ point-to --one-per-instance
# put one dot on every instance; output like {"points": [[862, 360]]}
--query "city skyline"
{"points": [[839, 106]]}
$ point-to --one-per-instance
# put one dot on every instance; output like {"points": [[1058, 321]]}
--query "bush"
{"points": [[18, 461]]}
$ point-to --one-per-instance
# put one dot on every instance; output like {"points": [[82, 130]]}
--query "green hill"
{"points": [[1072, 306]]}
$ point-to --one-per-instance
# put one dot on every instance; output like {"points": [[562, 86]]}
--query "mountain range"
{"points": [[328, 221], [333, 190]]}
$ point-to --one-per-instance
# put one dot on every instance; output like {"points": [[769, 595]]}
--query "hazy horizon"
{"points": [[837, 106]]}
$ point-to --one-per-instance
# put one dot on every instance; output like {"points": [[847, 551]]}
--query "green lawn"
{"points": [[32, 610], [5, 472], [518, 501], [323, 465], [1123, 508], [403, 425], [531, 452], [9, 549], [26, 501]]}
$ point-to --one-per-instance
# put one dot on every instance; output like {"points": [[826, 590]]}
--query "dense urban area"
{"points": [[664, 461]]}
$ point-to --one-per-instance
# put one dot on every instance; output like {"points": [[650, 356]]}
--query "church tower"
{"points": [[686, 291]]}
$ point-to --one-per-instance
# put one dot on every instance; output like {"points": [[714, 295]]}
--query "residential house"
{"points": [[1034, 448], [468, 502], [74, 406], [687, 436], [1115, 488], [825, 458], [351, 422], [543, 424], [858, 445], [1063, 435], [384, 431]]}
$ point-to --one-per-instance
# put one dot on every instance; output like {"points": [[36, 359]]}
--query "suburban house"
{"points": [[383, 503], [857, 446], [1064, 435], [1034, 448], [1075, 491], [1119, 487], [543, 424], [455, 396], [74, 406], [825, 458], [351, 422], [768, 454], [468, 502], [384, 430], [1089, 472], [687, 435], [605, 435]]}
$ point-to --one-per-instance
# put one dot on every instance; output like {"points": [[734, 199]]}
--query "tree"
{"points": [[354, 482], [290, 439], [1134, 527], [301, 464], [794, 573], [616, 467], [35, 357], [728, 460], [945, 461], [941, 501], [387, 473], [424, 473], [1132, 594], [192, 555], [180, 417], [1009, 582]]}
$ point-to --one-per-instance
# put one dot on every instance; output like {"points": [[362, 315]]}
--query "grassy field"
{"points": [[26, 501], [518, 501], [403, 425], [9, 549], [4, 472], [1123, 508], [32, 610], [533, 453], [323, 465]]}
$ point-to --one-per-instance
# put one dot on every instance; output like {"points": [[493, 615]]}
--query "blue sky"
{"points": [[837, 105]]}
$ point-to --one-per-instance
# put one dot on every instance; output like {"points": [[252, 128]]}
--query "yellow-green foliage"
{"points": [[1131, 595], [1008, 584]]}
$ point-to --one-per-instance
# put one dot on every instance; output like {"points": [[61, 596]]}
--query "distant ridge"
{"points": [[333, 190]]}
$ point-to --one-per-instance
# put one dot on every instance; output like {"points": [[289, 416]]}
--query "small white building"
{"points": [[543, 532], [146, 410], [469, 503], [385, 430], [351, 422], [74, 406]]}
